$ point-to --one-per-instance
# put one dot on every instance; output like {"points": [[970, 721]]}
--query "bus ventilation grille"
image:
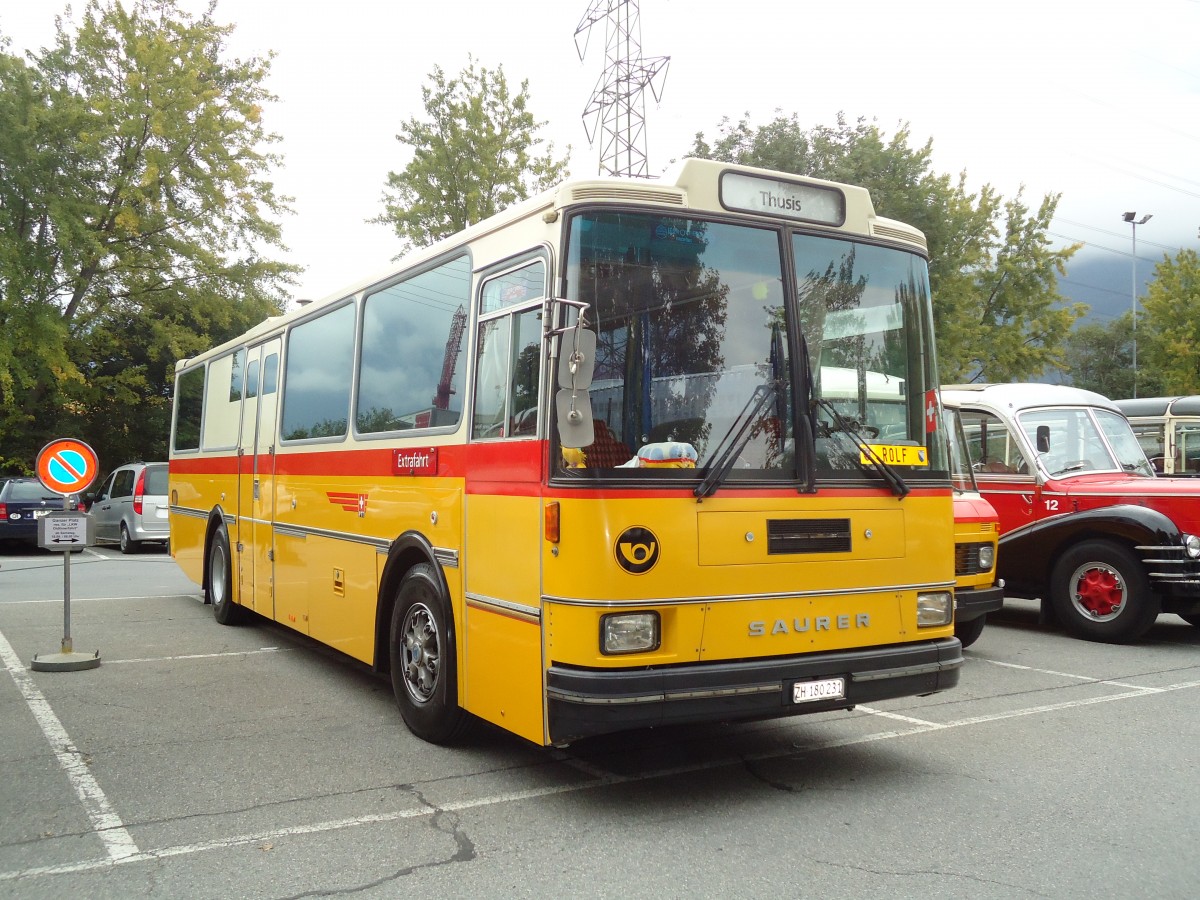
{"points": [[634, 194], [909, 237], [808, 536]]}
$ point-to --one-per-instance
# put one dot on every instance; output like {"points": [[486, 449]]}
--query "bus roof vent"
{"points": [[636, 194], [896, 232]]}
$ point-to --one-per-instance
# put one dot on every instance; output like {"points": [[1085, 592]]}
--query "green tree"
{"points": [[1099, 357], [135, 212], [1169, 329], [997, 311], [473, 155]]}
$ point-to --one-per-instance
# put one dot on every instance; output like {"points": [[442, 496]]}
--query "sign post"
{"points": [[66, 467]]}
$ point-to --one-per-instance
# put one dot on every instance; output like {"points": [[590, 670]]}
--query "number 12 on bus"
{"points": [[627, 454]]}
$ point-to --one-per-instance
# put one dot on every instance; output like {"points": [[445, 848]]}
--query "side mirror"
{"points": [[576, 366], [1043, 439], [575, 426], [576, 358]]}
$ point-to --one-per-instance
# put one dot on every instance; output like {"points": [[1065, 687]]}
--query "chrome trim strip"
{"points": [[504, 607], [582, 700], [305, 532], [739, 598], [445, 556], [906, 671]]}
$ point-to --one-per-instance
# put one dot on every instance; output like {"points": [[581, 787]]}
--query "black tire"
{"points": [[423, 661], [1191, 618], [969, 632], [219, 591], [128, 544], [1100, 592]]}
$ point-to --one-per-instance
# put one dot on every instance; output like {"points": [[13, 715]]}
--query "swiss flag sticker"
{"points": [[931, 411]]}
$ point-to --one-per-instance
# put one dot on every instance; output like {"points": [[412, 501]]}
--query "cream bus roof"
{"points": [[1009, 399], [688, 184]]}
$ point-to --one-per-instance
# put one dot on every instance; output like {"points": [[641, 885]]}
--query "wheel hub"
{"points": [[421, 654], [1099, 591]]}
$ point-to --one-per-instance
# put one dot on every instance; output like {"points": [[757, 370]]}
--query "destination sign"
{"points": [[789, 199]]}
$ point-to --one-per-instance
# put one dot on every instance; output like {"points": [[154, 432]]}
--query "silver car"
{"points": [[131, 507]]}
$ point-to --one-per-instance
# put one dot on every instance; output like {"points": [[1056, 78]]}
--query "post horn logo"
{"points": [[636, 550]]}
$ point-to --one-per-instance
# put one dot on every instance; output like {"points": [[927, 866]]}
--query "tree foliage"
{"points": [[135, 210], [1169, 330], [1099, 358], [998, 315], [474, 154]]}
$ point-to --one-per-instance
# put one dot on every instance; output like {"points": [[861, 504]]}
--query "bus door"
{"points": [[502, 552], [256, 489]]}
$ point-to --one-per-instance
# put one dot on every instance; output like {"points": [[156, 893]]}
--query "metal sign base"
{"points": [[65, 662]]}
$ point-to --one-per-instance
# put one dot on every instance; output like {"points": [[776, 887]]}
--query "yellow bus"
{"points": [[572, 470]]}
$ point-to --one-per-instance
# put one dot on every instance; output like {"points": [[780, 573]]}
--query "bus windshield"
{"points": [[705, 345], [1081, 440]]}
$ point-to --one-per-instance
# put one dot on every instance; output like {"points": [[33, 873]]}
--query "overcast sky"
{"points": [[1097, 100]]}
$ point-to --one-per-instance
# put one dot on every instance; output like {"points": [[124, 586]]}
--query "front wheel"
{"points": [[1100, 592], [423, 662], [219, 591], [969, 632]]}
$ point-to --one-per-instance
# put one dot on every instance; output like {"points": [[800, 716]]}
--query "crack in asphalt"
{"points": [[443, 821]]}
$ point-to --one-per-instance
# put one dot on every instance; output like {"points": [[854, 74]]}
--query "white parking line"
{"points": [[1087, 678], [75, 599], [105, 822], [601, 780], [883, 714], [152, 659]]}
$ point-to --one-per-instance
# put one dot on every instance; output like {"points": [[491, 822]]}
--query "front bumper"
{"points": [[585, 702], [971, 603]]}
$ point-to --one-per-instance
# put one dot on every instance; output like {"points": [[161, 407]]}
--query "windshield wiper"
{"points": [[738, 436], [890, 475]]}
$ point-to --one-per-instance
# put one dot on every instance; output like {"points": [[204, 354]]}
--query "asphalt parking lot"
{"points": [[205, 761]]}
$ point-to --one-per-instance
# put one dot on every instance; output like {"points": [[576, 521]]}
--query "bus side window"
{"points": [[508, 354]]}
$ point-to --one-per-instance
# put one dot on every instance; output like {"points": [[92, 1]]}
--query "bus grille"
{"points": [[808, 536], [966, 559]]}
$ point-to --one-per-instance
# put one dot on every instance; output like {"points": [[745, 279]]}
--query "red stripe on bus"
{"points": [[507, 461]]}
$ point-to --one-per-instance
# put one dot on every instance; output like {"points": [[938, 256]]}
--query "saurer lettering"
{"points": [[842, 622]]}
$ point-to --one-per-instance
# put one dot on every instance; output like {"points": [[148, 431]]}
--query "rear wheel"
{"points": [[1191, 618], [220, 581], [1101, 593], [423, 661], [128, 544], [969, 632]]}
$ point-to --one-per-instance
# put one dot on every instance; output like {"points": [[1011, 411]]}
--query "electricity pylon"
{"points": [[617, 104]]}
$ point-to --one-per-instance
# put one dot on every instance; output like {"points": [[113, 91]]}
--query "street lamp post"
{"points": [[1134, 221]]}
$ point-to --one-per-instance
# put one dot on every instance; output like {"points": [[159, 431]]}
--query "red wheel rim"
{"points": [[1098, 591]]}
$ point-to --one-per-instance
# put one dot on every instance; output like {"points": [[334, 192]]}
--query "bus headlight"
{"points": [[1191, 546], [935, 609], [629, 632], [987, 557]]}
